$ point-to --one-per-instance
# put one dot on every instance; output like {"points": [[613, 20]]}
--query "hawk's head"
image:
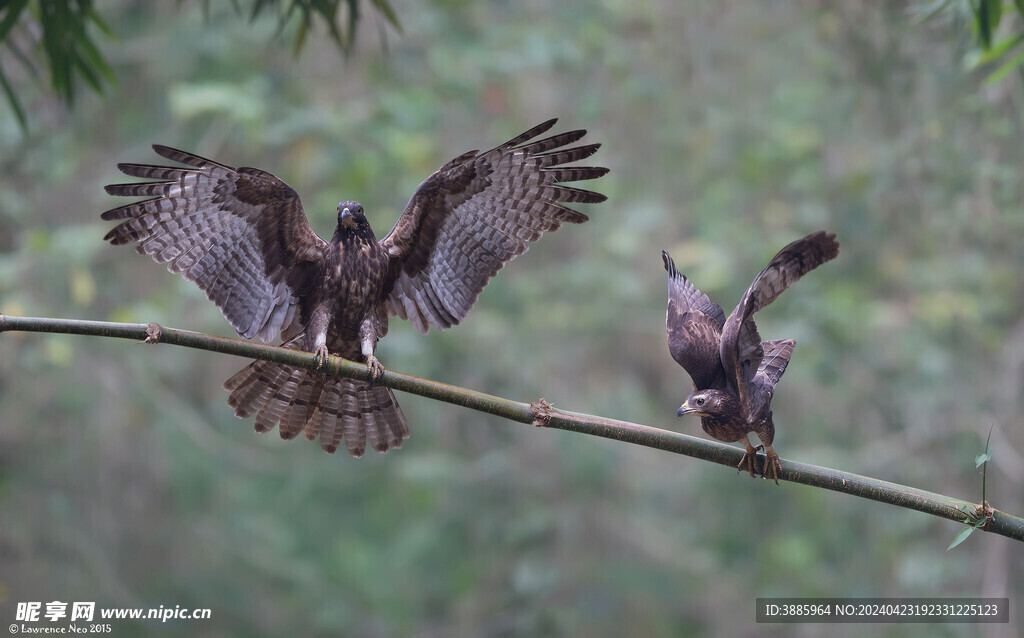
{"points": [[351, 218], [710, 403]]}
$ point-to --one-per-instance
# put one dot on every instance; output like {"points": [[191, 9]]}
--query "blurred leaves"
{"points": [[987, 14], [328, 11], [995, 47], [64, 41], [61, 32]]}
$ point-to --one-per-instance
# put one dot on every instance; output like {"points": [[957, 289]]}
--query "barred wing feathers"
{"points": [[775, 360], [694, 326], [476, 213], [742, 352], [237, 233]]}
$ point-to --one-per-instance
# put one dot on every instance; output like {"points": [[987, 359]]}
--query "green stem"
{"points": [[984, 475], [538, 413], [984, 469]]}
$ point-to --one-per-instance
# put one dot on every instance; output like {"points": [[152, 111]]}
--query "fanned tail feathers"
{"points": [[318, 405]]}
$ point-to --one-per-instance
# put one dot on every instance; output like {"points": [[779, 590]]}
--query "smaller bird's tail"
{"points": [[318, 405]]}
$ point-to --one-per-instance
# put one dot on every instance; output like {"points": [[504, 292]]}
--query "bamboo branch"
{"points": [[539, 413]]}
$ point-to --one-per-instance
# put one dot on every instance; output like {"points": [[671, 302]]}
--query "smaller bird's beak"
{"points": [[345, 213], [685, 408]]}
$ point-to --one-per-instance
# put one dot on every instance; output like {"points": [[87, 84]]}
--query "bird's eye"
{"points": [[700, 401]]}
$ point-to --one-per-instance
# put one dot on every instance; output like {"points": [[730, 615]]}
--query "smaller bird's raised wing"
{"points": [[694, 326], [473, 215], [775, 359], [741, 350], [240, 234]]}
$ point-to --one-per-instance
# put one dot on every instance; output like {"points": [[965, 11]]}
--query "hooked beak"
{"points": [[345, 213], [685, 408]]}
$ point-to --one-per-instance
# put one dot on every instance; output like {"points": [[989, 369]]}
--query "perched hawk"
{"points": [[734, 373], [242, 236]]}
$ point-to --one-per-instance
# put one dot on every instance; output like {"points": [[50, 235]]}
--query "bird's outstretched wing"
{"points": [[694, 326], [741, 348], [475, 213], [240, 234], [774, 361]]}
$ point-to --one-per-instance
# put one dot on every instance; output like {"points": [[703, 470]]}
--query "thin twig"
{"points": [[540, 413]]}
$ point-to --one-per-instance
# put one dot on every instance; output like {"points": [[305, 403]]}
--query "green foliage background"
{"points": [[731, 129]]}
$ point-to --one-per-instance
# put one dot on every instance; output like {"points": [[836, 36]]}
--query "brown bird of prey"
{"points": [[734, 373], [241, 235]]}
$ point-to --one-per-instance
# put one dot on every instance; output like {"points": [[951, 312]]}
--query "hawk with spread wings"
{"points": [[242, 236], [734, 374]]}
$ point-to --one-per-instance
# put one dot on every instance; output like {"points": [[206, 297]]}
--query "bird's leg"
{"points": [[368, 343], [375, 367], [316, 335], [772, 466], [749, 460], [321, 355]]}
